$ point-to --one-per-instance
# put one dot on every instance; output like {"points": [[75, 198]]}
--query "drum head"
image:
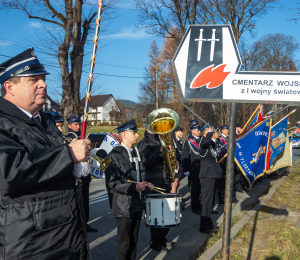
{"points": [[102, 144]]}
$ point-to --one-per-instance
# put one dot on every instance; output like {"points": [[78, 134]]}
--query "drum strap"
{"points": [[135, 160]]}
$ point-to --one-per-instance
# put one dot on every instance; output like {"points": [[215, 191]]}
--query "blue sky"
{"points": [[124, 50]]}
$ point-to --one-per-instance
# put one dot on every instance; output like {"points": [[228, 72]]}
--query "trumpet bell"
{"points": [[104, 164], [162, 121]]}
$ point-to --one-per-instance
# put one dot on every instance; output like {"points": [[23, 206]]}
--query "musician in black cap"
{"points": [[238, 129], [40, 207], [179, 174], [74, 131], [210, 171], [59, 122], [152, 157], [190, 159], [125, 197], [74, 125]]}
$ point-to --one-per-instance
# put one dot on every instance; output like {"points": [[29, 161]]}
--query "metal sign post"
{"points": [[229, 183], [207, 69]]}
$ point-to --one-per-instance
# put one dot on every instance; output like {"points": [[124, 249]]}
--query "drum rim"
{"points": [[170, 195]]}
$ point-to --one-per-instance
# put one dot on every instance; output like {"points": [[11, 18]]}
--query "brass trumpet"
{"points": [[104, 163], [162, 122]]}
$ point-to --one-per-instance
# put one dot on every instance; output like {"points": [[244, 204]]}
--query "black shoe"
{"points": [[240, 191], [215, 227], [214, 212], [170, 243], [197, 212], [160, 249], [208, 231], [90, 229]]}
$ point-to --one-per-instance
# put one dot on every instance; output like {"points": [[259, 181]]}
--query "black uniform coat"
{"points": [[124, 198], [209, 168], [190, 157], [179, 146], [152, 157], [40, 216]]}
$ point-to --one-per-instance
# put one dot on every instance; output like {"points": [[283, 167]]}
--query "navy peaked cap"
{"points": [[224, 127], [194, 124], [74, 119], [238, 125], [178, 128], [127, 126], [203, 127], [22, 65], [57, 117]]}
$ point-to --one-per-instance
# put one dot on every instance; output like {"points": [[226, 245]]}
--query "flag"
{"points": [[279, 148], [251, 150], [258, 116]]}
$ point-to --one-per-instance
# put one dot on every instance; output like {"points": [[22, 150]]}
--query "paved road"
{"points": [[186, 236]]}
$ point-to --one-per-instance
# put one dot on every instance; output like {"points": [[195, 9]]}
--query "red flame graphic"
{"points": [[213, 78]]}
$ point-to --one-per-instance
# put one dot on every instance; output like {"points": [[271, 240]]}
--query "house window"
{"points": [[94, 115]]}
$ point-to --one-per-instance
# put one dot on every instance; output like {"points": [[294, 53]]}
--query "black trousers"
{"points": [[207, 192], [239, 181], [158, 236], [195, 189], [86, 198], [127, 232], [221, 188]]}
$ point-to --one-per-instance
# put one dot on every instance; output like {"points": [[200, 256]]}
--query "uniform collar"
{"points": [[28, 114]]}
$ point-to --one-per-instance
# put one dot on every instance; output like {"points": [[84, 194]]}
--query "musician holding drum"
{"points": [[152, 157], [126, 179], [40, 208]]}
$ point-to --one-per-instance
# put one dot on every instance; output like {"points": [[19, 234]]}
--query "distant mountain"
{"points": [[127, 102]]}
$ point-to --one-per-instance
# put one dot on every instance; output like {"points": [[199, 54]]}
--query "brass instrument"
{"points": [[163, 121], [104, 163]]}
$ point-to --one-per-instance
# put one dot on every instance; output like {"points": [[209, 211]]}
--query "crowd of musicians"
{"points": [[44, 209]]}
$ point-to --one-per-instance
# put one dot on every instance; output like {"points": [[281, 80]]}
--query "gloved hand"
{"points": [[218, 150], [187, 173]]}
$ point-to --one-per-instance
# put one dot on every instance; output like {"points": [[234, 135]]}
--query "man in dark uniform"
{"points": [[210, 172], [152, 157], [190, 159], [223, 145], [126, 203], [59, 122], [178, 144], [74, 126], [41, 212]]}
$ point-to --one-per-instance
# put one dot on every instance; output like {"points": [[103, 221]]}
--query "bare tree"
{"points": [[68, 24], [273, 52], [158, 16]]}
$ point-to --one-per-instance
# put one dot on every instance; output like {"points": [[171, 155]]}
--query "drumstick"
{"points": [[148, 184]]}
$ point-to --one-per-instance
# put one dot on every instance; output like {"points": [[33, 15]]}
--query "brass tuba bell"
{"points": [[162, 122]]}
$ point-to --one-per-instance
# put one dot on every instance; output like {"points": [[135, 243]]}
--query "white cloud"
{"points": [[129, 33], [5, 43], [35, 24]]}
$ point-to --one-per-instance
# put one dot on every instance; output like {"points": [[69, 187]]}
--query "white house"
{"points": [[103, 108], [51, 106]]}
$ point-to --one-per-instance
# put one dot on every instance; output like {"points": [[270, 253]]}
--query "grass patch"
{"points": [[271, 234]]}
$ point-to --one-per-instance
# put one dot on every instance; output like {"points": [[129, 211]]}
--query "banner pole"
{"points": [[91, 74], [229, 183], [250, 118]]}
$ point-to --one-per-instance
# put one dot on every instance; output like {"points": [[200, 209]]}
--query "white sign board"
{"points": [[207, 64]]}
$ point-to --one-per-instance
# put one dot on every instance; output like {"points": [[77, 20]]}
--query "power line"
{"points": [[101, 74]]}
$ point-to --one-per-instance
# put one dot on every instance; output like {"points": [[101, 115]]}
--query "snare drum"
{"points": [[102, 144], [163, 210]]}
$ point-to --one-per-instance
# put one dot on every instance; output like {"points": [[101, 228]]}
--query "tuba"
{"points": [[162, 121]]}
